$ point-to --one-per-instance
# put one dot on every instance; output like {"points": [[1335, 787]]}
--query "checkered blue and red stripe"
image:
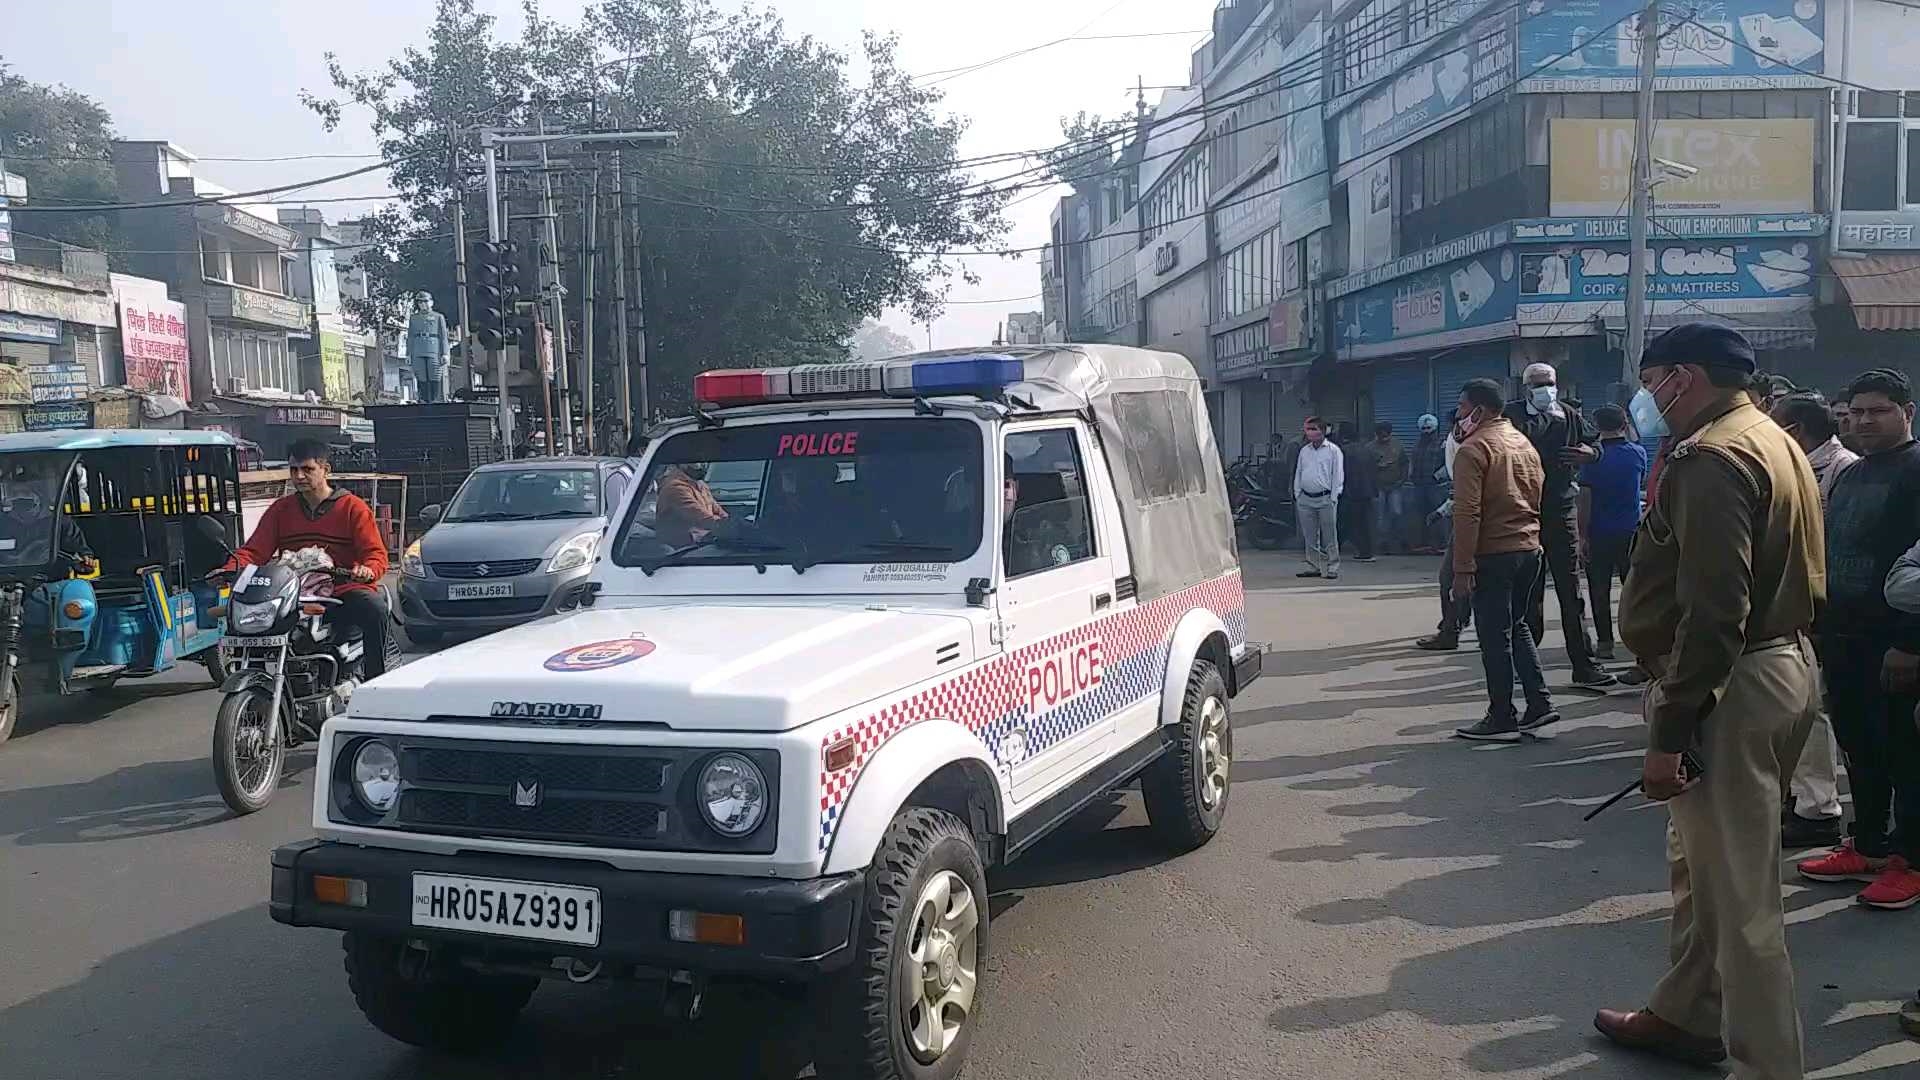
{"points": [[989, 698]]}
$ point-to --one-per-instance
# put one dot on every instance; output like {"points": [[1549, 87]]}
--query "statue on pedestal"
{"points": [[427, 345]]}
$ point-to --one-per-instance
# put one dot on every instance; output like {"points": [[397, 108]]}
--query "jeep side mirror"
{"points": [[430, 513]]}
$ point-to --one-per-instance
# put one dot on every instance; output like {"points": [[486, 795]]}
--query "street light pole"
{"points": [[550, 285], [620, 373], [588, 230], [1642, 192]]}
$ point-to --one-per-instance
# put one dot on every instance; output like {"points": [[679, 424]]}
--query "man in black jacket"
{"points": [[1870, 652], [1564, 441]]}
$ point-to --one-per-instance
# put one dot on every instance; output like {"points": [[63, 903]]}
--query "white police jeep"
{"points": [[861, 632]]}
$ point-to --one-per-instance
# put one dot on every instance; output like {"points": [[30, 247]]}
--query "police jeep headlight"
{"points": [[376, 775], [252, 618], [576, 552], [732, 795]]}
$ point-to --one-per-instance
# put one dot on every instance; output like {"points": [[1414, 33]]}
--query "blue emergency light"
{"points": [[974, 373]]}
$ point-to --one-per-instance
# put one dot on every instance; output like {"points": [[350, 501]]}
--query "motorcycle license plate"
{"points": [[271, 641], [519, 909], [496, 590]]}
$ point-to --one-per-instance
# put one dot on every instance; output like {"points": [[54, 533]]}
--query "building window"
{"points": [[251, 360], [1883, 152]]}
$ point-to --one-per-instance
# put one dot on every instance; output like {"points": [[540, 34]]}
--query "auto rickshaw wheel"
{"points": [[9, 706], [216, 667]]}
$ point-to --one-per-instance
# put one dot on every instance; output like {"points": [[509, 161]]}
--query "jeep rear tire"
{"points": [[453, 1011], [1186, 790], [907, 1007]]}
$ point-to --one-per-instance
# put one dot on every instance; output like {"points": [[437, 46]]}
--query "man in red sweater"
{"points": [[338, 522]]}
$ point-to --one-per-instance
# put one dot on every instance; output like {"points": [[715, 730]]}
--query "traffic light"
{"points": [[496, 286]]}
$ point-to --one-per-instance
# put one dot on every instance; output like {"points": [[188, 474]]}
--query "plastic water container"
{"points": [[123, 634]]}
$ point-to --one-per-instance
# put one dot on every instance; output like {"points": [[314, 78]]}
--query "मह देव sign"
{"points": [[1418, 98], [1465, 295], [1752, 166], [1594, 45], [1709, 270]]}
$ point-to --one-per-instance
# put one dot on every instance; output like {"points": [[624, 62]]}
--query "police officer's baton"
{"points": [[1691, 772], [1623, 793]]}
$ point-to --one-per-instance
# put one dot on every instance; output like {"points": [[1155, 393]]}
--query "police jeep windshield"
{"points": [[803, 494]]}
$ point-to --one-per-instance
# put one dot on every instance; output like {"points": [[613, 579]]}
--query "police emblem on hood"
{"points": [[545, 711]]}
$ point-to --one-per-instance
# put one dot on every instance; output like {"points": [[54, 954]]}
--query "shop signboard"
{"points": [[333, 367], [1880, 230], [1288, 327], [1707, 270], [7, 253], [76, 414], [1741, 166], [1418, 99], [266, 309], [14, 389], [1561, 230], [1593, 46], [1451, 303], [16, 327], [1304, 202], [55, 383], [153, 337], [303, 416]]}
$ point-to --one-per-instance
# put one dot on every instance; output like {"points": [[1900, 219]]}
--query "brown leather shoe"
{"points": [[1642, 1030]]}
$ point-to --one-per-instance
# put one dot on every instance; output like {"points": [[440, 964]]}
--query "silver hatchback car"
{"points": [[509, 542]]}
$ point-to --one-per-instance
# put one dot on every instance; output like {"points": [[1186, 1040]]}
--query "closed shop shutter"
{"points": [[1399, 397], [1256, 418], [1452, 371]]}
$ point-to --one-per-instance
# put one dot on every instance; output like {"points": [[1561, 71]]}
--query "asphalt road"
{"points": [[1384, 902]]}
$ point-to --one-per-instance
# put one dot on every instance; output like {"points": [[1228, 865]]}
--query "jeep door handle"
{"points": [[1102, 601]]}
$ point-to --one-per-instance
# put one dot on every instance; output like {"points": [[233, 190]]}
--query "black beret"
{"points": [[1703, 343]]}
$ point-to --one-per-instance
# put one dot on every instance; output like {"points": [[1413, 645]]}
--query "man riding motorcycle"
{"points": [[338, 522]]}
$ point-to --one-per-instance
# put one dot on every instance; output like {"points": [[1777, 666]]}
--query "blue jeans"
{"points": [[1389, 519], [1502, 594]]}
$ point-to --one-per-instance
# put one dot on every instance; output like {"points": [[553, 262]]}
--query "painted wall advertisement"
{"points": [[1304, 205], [1594, 45], [1750, 166], [333, 366], [1443, 303], [153, 337], [1699, 271], [1423, 95]]}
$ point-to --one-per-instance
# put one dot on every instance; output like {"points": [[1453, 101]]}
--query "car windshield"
{"points": [[879, 490], [29, 496], [526, 495]]}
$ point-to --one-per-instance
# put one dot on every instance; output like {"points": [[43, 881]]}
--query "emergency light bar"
{"points": [[980, 373]]}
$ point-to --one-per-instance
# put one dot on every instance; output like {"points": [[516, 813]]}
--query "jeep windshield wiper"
{"points": [[679, 554], [904, 547]]}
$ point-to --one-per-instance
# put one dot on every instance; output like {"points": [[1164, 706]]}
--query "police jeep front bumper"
{"points": [[793, 930]]}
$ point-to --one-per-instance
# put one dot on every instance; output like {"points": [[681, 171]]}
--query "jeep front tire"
{"points": [[908, 1006], [1186, 790], [452, 1010]]}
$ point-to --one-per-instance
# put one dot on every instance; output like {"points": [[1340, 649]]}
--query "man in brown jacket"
{"points": [[1497, 477], [1729, 572]]}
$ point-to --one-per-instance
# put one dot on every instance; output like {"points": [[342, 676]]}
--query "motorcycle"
{"points": [[291, 671], [1265, 518]]}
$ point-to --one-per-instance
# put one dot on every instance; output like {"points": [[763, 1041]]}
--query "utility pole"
{"points": [[459, 265], [644, 402], [490, 157], [620, 371], [1642, 192], [550, 288], [588, 228], [1836, 200]]}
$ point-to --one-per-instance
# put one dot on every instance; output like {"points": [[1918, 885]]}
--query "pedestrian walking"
{"points": [[1729, 574], [1391, 469], [1608, 513], [1497, 483], [1870, 650], [1456, 613], [1319, 475], [1428, 469], [1813, 813], [1564, 442]]}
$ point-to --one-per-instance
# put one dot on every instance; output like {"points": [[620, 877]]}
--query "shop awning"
{"points": [[1766, 330], [1883, 289]]}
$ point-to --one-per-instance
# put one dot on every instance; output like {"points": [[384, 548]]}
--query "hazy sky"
{"points": [[223, 80]]}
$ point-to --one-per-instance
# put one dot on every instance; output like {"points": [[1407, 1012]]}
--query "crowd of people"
{"points": [[1769, 555]]}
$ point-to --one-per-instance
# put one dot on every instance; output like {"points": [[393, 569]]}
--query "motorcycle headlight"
{"points": [[410, 562], [733, 795], [576, 552], [252, 618], [376, 775]]}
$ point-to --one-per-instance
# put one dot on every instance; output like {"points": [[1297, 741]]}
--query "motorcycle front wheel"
{"points": [[247, 760], [9, 706]]}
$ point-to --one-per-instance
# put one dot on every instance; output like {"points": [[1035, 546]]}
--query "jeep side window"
{"points": [[1048, 520]]}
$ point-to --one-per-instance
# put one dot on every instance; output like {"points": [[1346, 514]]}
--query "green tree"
{"points": [[878, 341], [1089, 147], [798, 200], [59, 140]]}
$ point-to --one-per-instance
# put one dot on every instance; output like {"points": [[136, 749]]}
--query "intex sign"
{"points": [[544, 710], [1065, 675], [1166, 258]]}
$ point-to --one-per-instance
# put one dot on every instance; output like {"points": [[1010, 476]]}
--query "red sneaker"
{"points": [[1842, 864], [1897, 887]]}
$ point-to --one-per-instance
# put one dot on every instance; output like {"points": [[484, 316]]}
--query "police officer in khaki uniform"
{"points": [[1728, 573]]}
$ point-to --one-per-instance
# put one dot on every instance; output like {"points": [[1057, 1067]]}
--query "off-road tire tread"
{"points": [[1167, 787], [451, 1017], [859, 1025]]}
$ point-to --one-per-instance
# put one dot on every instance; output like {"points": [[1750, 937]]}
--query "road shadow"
{"points": [[42, 711], [153, 798]]}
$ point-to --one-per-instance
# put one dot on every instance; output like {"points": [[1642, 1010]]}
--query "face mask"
{"points": [[1649, 419], [1544, 397], [1469, 422]]}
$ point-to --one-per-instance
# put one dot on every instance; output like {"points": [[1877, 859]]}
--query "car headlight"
{"points": [[733, 795], [252, 618], [410, 562], [376, 775], [574, 553]]}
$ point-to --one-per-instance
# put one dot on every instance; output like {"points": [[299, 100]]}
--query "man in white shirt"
{"points": [[1318, 477]]}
